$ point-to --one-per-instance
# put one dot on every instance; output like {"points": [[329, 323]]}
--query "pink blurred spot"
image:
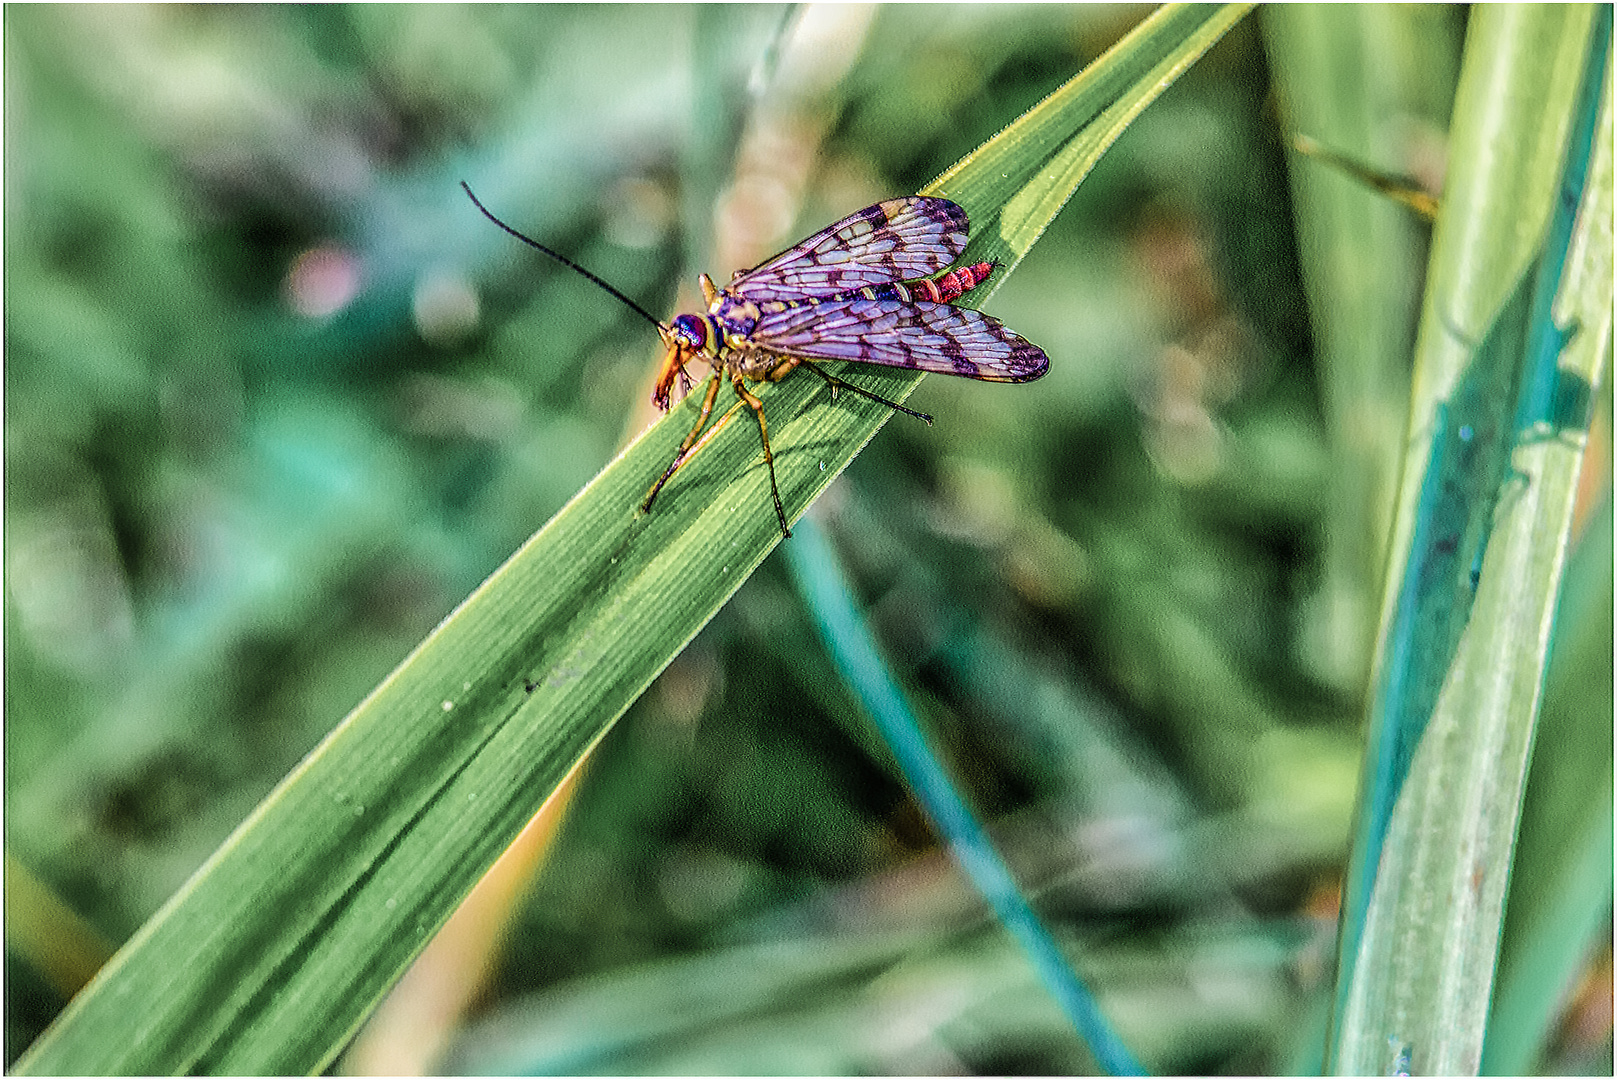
{"points": [[322, 281]]}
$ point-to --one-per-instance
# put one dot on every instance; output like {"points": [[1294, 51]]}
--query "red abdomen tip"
{"points": [[957, 282]]}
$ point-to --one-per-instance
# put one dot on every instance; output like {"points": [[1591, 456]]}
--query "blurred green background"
{"points": [[277, 398]]}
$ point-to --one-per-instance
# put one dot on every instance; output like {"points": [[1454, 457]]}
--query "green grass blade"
{"points": [[825, 589], [1559, 910], [1014, 184], [1480, 543], [271, 955]]}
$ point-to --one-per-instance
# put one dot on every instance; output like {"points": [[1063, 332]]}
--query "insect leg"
{"points": [[769, 458], [686, 451], [841, 384]]}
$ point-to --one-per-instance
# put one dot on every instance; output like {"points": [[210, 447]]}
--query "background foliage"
{"points": [[276, 400]]}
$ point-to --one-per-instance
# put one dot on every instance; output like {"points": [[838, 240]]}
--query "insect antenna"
{"points": [[842, 384], [564, 260]]}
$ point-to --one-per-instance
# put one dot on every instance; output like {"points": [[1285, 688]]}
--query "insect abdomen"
{"points": [[941, 290], [956, 283]]}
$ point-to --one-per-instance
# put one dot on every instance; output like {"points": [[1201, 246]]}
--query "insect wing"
{"points": [[896, 333], [897, 240]]}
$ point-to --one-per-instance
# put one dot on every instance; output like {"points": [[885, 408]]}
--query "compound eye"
{"points": [[691, 332]]}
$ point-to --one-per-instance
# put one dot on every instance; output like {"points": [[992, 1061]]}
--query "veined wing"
{"points": [[897, 240], [920, 335]]}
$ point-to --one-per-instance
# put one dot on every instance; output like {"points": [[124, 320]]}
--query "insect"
{"points": [[868, 288]]}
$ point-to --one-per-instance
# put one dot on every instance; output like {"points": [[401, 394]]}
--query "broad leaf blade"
{"points": [[1482, 534]]}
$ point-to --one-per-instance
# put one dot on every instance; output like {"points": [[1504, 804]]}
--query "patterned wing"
{"points": [[897, 240], [920, 335]]}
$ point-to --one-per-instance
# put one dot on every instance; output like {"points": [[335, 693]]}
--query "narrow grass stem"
{"points": [[824, 587]]}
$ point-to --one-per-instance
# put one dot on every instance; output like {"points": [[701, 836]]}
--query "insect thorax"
{"points": [[735, 315]]}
